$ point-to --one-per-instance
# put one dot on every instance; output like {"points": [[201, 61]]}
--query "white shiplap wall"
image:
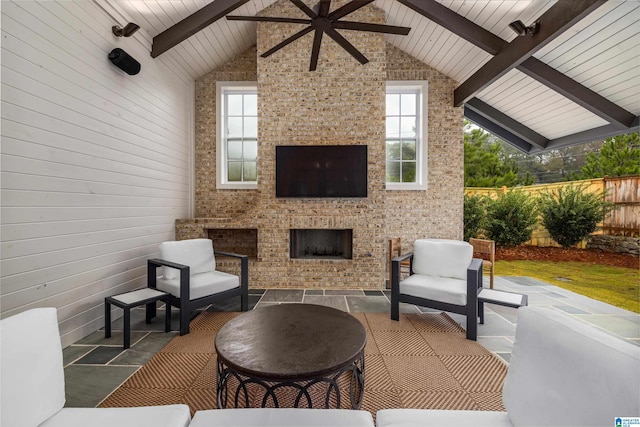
{"points": [[96, 164]]}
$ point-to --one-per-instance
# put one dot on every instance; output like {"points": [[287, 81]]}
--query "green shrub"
{"points": [[512, 217], [571, 214], [475, 215]]}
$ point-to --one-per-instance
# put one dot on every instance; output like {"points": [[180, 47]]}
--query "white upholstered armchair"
{"points": [[444, 275], [189, 274]]}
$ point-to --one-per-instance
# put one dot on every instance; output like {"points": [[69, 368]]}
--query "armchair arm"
{"points": [[395, 282], [244, 274], [154, 263], [474, 278]]}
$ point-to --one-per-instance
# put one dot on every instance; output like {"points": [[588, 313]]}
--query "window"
{"points": [[237, 135], [406, 136]]}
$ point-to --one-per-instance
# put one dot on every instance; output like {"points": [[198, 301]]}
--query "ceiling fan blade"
{"points": [[303, 7], [348, 8], [325, 5], [315, 52], [268, 19], [282, 44], [337, 37], [374, 28]]}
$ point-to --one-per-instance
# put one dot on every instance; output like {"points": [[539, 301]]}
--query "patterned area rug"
{"points": [[422, 361]]}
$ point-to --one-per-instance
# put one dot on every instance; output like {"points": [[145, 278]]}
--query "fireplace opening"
{"points": [[242, 241], [321, 244]]}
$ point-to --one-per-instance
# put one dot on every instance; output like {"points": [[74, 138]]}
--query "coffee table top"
{"points": [[290, 341]]}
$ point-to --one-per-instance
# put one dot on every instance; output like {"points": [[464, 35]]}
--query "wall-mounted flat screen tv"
{"points": [[321, 171]]}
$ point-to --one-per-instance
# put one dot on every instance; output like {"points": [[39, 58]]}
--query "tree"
{"points": [[485, 162], [557, 165], [618, 156]]}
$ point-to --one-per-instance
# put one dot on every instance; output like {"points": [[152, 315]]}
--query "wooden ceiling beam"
{"points": [[595, 134], [555, 21], [457, 24], [193, 23], [581, 95], [532, 66], [513, 126], [497, 129]]}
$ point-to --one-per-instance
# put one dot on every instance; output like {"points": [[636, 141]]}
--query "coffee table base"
{"points": [[238, 390]]}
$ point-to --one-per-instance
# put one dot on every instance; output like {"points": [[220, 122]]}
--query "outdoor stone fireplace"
{"points": [[342, 103], [321, 244]]}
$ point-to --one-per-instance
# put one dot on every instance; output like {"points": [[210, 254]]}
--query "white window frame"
{"points": [[223, 88], [421, 87]]}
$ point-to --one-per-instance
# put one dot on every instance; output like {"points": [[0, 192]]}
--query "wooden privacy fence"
{"points": [[624, 192]]}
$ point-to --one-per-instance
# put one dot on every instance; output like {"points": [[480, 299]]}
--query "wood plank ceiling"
{"points": [[576, 80]]}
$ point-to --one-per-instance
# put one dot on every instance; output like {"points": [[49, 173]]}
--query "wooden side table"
{"points": [[132, 299]]}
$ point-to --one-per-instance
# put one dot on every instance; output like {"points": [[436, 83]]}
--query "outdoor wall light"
{"points": [[522, 30], [127, 31]]}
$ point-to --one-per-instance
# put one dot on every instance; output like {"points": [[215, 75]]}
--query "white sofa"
{"points": [[32, 382], [562, 372]]}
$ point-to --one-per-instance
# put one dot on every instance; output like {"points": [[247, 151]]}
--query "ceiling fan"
{"points": [[323, 22]]}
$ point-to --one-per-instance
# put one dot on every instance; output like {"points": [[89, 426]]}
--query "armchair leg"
{"points": [[472, 322], [244, 284], [244, 302], [395, 290], [151, 283], [185, 317], [395, 309]]}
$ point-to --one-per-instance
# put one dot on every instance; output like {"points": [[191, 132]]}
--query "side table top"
{"points": [[138, 295], [290, 341]]}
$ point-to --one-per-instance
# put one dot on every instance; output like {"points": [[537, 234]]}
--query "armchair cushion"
{"points": [[32, 386], [435, 417], [443, 289], [282, 417], [196, 253], [143, 416], [442, 258], [200, 285]]}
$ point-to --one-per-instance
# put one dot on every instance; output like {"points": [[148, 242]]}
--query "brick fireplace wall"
{"points": [[342, 103]]}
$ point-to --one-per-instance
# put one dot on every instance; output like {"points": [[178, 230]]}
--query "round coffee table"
{"points": [[291, 355]]}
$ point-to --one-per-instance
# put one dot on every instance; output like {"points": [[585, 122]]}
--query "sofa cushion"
{"points": [[565, 372], [282, 417], [442, 258], [196, 253], [201, 285], [429, 417], [32, 386], [144, 416], [443, 289]]}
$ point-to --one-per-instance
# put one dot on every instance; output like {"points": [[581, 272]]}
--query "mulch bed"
{"points": [[592, 256]]}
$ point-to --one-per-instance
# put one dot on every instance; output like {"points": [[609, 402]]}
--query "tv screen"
{"points": [[321, 171]]}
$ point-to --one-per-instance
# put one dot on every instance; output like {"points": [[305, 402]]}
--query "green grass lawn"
{"points": [[613, 285]]}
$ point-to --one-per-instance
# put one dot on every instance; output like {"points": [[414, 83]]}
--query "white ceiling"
{"points": [[601, 52]]}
